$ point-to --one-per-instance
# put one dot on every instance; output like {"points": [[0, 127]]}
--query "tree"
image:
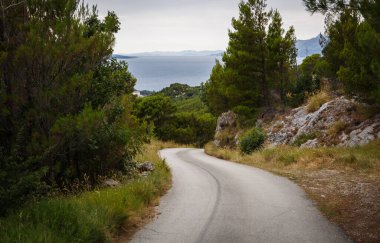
{"points": [[352, 51], [241, 84], [214, 91], [257, 64], [370, 9], [155, 109], [245, 57], [282, 54], [65, 109]]}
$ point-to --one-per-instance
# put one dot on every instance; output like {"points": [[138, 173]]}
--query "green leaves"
{"points": [[65, 106], [252, 140], [257, 65]]}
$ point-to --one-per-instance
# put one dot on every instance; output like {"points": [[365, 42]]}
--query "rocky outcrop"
{"points": [[226, 130], [337, 122]]}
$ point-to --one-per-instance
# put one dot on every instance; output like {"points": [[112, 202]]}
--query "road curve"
{"points": [[214, 200]]}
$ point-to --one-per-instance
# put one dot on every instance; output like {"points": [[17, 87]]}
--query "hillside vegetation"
{"points": [[93, 216], [177, 113]]}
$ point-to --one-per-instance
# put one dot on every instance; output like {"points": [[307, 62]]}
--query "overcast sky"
{"points": [[174, 25]]}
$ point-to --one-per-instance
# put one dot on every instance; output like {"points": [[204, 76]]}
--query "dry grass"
{"points": [[364, 159], [336, 128], [150, 150], [316, 101], [345, 182]]}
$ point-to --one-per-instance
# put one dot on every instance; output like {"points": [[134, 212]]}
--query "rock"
{"points": [[298, 122], [363, 133], [111, 183], [227, 130], [226, 120], [313, 143], [146, 166]]}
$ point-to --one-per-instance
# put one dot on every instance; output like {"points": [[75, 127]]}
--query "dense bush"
{"points": [[65, 106], [176, 119], [252, 140], [188, 128]]}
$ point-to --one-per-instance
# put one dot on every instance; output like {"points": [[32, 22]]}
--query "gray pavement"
{"points": [[214, 200]]}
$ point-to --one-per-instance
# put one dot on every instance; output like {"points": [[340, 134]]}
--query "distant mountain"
{"points": [[308, 47], [117, 56], [305, 48], [178, 53]]}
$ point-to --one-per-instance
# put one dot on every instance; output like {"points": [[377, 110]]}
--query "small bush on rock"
{"points": [[252, 140]]}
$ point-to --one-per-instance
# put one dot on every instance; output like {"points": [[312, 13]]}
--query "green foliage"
{"points": [[154, 109], [352, 52], [91, 217], [188, 128], [252, 140], [282, 55], [192, 105], [177, 114], [310, 73], [180, 91], [65, 106], [257, 66], [111, 79]]}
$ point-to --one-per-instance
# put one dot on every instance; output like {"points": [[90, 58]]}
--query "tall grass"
{"points": [[317, 100], [95, 216], [365, 158]]}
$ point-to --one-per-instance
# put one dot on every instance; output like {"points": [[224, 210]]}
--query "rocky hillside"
{"points": [[338, 122]]}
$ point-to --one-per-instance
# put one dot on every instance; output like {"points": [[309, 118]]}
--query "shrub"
{"points": [[336, 128], [188, 128], [303, 138], [317, 100], [252, 140]]}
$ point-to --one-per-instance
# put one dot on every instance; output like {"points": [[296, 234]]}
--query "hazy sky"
{"points": [[173, 25]]}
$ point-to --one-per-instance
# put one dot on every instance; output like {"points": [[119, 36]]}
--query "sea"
{"points": [[154, 73]]}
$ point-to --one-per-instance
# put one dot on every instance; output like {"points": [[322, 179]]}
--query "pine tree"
{"points": [[282, 54], [353, 52], [256, 63], [245, 74]]}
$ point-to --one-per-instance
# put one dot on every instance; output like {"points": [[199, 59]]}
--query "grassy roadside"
{"points": [[344, 182], [96, 216]]}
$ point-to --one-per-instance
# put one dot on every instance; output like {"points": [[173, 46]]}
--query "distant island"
{"points": [[305, 48], [189, 53], [118, 56]]}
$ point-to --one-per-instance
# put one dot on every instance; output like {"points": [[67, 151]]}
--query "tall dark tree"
{"points": [[282, 54], [64, 106], [256, 65], [352, 51], [369, 9], [242, 80]]}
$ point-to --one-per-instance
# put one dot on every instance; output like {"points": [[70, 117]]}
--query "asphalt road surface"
{"points": [[214, 200]]}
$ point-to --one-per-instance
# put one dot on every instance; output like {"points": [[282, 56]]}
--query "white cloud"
{"points": [[172, 25]]}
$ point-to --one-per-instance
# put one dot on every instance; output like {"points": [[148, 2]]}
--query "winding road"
{"points": [[214, 200]]}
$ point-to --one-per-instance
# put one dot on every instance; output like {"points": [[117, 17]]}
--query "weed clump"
{"points": [[252, 140], [316, 101], [304, 138]]}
